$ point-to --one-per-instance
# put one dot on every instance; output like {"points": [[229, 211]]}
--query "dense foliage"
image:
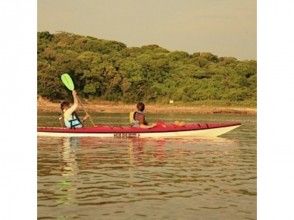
{"points": [[110, 70]]}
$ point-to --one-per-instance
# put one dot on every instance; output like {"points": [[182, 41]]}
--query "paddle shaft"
{"points": [[79, 100], [61, 124]]}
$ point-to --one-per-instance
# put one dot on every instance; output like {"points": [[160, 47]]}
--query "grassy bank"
{"points": [[118, 107]]}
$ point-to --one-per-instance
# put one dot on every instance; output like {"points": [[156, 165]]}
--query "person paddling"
{"points": [[71, 119], [137, 118]]}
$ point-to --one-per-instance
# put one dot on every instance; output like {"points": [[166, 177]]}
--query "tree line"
{"points": [[109, 70]]}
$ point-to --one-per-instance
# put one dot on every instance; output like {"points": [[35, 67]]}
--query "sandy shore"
{"points": [[110, 107]]}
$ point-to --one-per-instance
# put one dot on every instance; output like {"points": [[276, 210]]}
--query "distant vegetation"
{"points": [[109, 70]]}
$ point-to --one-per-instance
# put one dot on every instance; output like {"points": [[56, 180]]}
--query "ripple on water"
{"points": [[85, 178]]}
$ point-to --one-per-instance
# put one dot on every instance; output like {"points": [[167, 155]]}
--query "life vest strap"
{"points": [[131, 117], [75, 118]]}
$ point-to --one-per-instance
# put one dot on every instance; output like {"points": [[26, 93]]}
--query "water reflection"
{"points": [[139, 149], [67, 185], [69, 147], [92, 177]]}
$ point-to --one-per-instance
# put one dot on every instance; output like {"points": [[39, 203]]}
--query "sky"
{"points": [[222, 27]]}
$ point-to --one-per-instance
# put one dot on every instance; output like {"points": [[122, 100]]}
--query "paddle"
{"points": [[67, 81]]}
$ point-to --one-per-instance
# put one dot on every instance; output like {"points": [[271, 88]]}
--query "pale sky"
{"points": [[222, 27]]}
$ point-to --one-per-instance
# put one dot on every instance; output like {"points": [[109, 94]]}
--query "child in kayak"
{"points": [[71, 119], [137, 118]]}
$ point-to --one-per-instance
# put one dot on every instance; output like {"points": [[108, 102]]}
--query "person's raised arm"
{"points": [[75, 104], [74, 94]]}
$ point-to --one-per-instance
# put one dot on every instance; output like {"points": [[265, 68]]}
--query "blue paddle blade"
{"points": [[67, 81]]}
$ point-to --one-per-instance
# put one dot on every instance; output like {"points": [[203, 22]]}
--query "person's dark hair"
{"points": [[64, 104], [140, 106]]}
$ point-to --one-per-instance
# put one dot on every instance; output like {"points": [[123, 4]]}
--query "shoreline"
{"points": [[44, 105]]}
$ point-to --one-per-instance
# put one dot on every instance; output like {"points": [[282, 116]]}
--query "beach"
{"points": [[44, 105]]}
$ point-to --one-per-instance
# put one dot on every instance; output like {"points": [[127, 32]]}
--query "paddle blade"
{"points": [[67, 81]]}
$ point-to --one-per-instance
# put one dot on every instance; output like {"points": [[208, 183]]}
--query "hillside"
{"points": [[109, 70]]}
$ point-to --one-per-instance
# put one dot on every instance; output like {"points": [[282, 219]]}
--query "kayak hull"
{"points": [[190, 130]]}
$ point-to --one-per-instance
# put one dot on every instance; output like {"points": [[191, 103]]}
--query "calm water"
{"points": [[187, 178]]}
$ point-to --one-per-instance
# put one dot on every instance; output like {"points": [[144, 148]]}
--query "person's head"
{"points": [[64, 105], [140, 106]]}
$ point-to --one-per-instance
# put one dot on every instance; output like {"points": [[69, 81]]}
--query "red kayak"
{"points": [[161, 130]]}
